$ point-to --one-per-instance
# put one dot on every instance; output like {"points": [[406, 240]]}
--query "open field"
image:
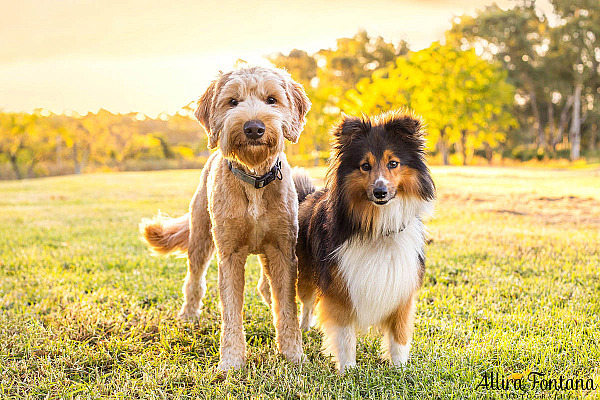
{"points": [[512, 284]]}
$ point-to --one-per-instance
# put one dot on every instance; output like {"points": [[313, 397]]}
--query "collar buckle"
{"points": [[258, 182]]}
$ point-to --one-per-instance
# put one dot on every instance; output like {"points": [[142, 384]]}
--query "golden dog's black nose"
{"points": [[254, 129]]}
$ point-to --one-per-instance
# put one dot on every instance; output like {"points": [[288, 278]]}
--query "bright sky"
{"points": [[153, 56]]}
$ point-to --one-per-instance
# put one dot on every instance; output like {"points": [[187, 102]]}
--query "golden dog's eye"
{"points": [[271, 100], [233, 102], [392, 164], [365, 167]]}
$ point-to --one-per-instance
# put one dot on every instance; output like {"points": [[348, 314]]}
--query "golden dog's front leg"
{"points": [[264, 287], [282, 273], [231, 292]]}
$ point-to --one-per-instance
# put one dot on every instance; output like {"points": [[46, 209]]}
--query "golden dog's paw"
{"points": [[231, 362], [296, 357], [189, 314], [344, 368]]}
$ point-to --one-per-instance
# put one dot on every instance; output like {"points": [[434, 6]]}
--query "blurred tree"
{"points": [[25, 140], [31, 143], [518, 38], [39, 144], [354, 59], [575, 55], [302, 66], [14, 139], [327, 75], [555, 68], [464, 99]]}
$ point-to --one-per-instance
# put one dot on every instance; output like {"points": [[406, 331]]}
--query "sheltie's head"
{"points": [[376, 160]]}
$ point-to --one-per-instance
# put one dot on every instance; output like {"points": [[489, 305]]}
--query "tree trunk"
{"points": [[537, 123], [551, 125], [463, 146], [562, 122], [444, 149], [58, 152], [31, 167], [575, 131], [488, 152], [76, 164], [593, 137], [85, 156], [443, 145], [15, 165]]}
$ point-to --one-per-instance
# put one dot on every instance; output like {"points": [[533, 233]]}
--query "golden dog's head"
{"points": [[248, 112]]}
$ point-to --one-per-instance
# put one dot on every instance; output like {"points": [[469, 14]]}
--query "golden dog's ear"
{"points": [[207, 105], [300, 104], [203, 114]]}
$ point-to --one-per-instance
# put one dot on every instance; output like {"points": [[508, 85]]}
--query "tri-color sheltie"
{"points": [[361, 238]]}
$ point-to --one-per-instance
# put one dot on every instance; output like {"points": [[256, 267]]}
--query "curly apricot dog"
{"points": [[245, 203]]}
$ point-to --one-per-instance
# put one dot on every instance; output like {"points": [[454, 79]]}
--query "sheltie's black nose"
{"points": [[254, 129], [380, 192]]}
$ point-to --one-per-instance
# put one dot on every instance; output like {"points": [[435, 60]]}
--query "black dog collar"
{"points": [[258, 182]]}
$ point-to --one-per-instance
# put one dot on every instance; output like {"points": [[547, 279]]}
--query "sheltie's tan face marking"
{"points": [[375, 183], [384, 178]]}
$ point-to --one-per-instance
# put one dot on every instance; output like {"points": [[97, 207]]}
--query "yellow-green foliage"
{"points": [[326, 76], [462, 98], [30, 143]]}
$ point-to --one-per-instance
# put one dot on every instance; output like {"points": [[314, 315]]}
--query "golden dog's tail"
{"points": [[165, 234], [304, 185]]}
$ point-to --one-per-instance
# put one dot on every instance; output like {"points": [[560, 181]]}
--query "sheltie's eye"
{"points": [[271, 100], [392, 164], [233, 102], [365, 166]]}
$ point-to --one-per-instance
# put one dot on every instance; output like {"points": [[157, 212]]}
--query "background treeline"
{"points": [[43, 143], [507, 84]]}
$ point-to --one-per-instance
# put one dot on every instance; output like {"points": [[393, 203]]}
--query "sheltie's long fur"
{"points": [[361, 238]]}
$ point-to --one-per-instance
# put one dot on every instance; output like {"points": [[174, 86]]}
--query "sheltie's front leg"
{"points": [[340, 342], [335, 317], [307, 293], [339, 334], [306, 315], [398, 330]]}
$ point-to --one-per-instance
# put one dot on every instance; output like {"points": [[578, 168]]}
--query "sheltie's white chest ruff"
{"points": [[382, 271]]}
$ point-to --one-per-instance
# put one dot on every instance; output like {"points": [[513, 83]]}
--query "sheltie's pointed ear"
{"points": [[405, 123], [347, 128]]}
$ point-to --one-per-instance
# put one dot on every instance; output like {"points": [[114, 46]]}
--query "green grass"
{"points": [[512, 284]]}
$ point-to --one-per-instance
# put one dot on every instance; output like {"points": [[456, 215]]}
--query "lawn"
{"points": [[512, 284]]}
